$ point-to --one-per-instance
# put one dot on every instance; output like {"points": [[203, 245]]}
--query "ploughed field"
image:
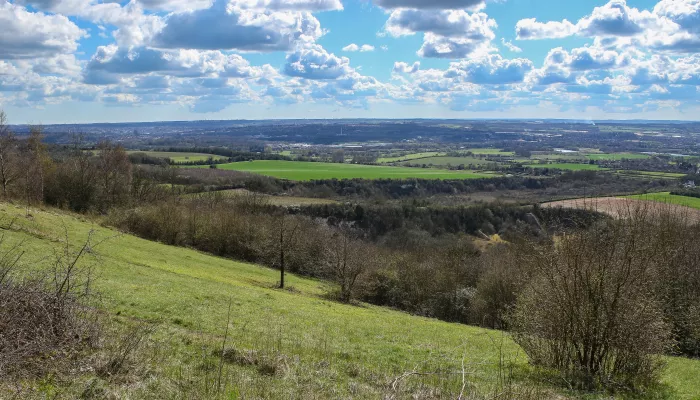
{"points": [[687, 207], [307, 171]]}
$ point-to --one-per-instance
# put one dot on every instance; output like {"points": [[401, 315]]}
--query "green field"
{"points": [[414, 156], [180, 157], [618, 156], [568, 166], [325, 349], [669, 175], [560, 157], [306, 171], [667, 197], [453, 161], [496, 152]]}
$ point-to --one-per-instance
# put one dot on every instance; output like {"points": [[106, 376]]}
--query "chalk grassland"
{"points": [[414, 156], [306, 171], [180, 157], [568, 166], [322, 349], [285, 201]]}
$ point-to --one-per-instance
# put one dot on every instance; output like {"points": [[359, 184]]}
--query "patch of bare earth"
{"points": [[620, 207]]}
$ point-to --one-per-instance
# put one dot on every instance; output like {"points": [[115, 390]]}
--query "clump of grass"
{"points": [[276, 364]]}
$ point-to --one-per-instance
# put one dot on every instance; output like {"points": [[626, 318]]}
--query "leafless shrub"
{"points": [[44, 317], [497, 288], [591, 309], [122, 355]]}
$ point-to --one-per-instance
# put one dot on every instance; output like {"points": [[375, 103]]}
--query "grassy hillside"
{"points": [[315, 348], [305, 171]]}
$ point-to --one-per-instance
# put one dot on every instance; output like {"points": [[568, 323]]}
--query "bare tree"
{"points": [[287, 238], [9, 166], [38, 162], [114, 171], [349, 258]]}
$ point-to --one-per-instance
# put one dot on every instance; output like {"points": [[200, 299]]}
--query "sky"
{"points": [[81, 61]]}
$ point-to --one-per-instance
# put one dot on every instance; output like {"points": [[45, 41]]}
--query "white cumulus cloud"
{"points": [[353, 48], [431, 4], [34, 34]]}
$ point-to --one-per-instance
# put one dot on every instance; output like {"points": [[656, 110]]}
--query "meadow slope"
{"points": [[321, 349]]}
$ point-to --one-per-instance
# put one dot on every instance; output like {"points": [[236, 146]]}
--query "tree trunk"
{"points": [[282, 258]]}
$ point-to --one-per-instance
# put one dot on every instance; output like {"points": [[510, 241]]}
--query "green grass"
{"points": [[618, 156], [331, 350], [670, 175], [180, 157], [453, 161], [305, 171], [568, 166], [667, 197], [491, 152], [561, 157], [414, 156]]}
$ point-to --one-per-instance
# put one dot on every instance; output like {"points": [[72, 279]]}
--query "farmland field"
{"points": [[491, 152], [414, 156], [561, 157], [305, 171], [667, 197], [621, 206], [669, 175], [568, 166], [453, 161], [328, 350], [618, 156], [180, 157]]}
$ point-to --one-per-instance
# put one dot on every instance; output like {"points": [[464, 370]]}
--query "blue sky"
{"points": [[74, 61]]}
